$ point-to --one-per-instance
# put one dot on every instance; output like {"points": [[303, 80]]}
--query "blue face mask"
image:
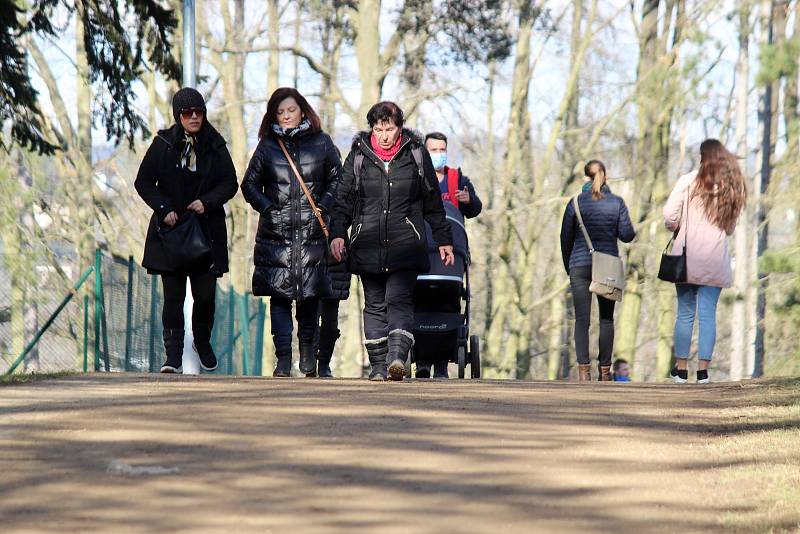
{"points": [[439, 160]]}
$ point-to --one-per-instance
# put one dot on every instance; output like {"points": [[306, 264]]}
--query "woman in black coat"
{"points": [[388, 190], [188, 168], [290, 250]]}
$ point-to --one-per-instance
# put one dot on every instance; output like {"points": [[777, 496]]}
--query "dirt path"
{"points": [[146, 453]]}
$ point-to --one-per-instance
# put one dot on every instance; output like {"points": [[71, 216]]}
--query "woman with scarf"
{"points": [[388, 191], [188, 169], [290, 249]]}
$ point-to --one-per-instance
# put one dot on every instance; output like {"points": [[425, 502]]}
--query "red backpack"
{"points": [[452, 184]]}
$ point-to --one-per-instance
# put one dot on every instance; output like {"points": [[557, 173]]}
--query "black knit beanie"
{"points": [[186, 98]]}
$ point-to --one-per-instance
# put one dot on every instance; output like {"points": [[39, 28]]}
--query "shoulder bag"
{"points": [[673, 268], [608, 272]]}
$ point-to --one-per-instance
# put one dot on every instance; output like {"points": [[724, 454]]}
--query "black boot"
{"points": [[423, 370], [327, 340], [308, 361], [283, 363], [202, 344], [173, 346], [440, 370], [377, 349], [400, 342]]}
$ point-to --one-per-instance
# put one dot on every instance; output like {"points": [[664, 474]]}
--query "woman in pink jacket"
{"points": [[704, 207]]}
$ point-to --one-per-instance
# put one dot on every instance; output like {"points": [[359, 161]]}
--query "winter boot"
{"points": [[377, 349], [308, 361], [327, 340], [584, 372], [283, 362], [400, 342], [440, 370], [202, 344], [173, 346], [605, 373], [423, 370]]}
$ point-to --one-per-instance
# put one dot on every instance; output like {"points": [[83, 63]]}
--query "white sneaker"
{"points": [[676, 378]]}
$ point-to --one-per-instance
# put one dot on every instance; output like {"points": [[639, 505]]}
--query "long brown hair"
{"points": [[597, 172], [720, 184], [271, 116]]}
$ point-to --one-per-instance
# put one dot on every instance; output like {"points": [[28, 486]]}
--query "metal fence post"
{"points": [[102, 300], [86, 333], [153, 319], [258, 360], [129, 316], [97, 287], [244, 320], [231, 329]]}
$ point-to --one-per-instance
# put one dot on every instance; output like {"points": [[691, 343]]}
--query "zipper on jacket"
{"points": [[357, 233], [408, 221]]}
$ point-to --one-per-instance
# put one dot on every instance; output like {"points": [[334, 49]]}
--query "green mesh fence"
{"points": [[111, 322]]}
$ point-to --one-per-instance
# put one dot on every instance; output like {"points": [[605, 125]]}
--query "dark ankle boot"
{"points": [[584, 372], [440, 370], [283, 363], [400, 342], [423, 370], [377, 349], [173, 347], [308, 361], [605, 373], [202, 344], [327, 341]]}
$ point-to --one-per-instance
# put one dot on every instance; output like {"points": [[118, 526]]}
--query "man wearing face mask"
{"points": [[458, 190], [455, 187]]}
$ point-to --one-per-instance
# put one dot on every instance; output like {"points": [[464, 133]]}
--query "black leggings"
{"points": [[579, 280], [203, 289]]}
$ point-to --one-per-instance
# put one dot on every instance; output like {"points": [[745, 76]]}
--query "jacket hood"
{"points": [[415, 136]]}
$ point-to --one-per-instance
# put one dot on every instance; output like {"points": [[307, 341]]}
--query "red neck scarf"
{"points": [[386, 155]]}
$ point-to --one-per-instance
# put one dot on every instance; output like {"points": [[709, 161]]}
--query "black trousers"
{"points": [[329, 314], [388, 303], [579, 280], [203, 290], [280, 316]]}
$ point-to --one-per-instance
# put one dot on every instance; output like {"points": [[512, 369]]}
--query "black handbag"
{"points": [[673, 268], [175, 248]]}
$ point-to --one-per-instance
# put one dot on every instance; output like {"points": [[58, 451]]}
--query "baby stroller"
{"points": [[441, 327]]}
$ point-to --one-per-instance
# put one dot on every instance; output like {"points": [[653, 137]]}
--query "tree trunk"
{"points": [[739, 337], [274, 55], [368, 54]]}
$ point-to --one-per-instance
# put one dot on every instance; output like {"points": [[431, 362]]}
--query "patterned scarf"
{"points": [[386, 154], [291, 132], [188, 155]]}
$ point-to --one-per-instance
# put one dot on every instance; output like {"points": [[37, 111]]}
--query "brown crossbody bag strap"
{"points": [[314, 207]]}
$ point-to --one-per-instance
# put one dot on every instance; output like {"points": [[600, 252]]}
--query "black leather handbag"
{"points": [[175, 248], [673, 268]]}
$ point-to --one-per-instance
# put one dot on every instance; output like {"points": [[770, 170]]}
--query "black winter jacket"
{"points": [[386, 214], [166, 187], [606, 221], [290, 250]]}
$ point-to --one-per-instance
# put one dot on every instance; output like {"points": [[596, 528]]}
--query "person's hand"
{"points": [[197, 207], [171, 218], [337, 248], [446, 253], [462, 195]]}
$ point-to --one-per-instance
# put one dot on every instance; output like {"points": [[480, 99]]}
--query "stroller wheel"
{"points": [[462, 360], [475, 356]]}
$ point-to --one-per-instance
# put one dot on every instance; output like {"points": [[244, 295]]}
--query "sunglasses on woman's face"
{"points": [[187, 113]]}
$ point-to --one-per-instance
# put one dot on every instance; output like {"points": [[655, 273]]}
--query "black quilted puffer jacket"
{"points": [[290, 250], [386, 213]]}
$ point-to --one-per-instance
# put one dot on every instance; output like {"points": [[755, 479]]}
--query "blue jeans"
{"points": [[701, 301], [280, 314]]}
